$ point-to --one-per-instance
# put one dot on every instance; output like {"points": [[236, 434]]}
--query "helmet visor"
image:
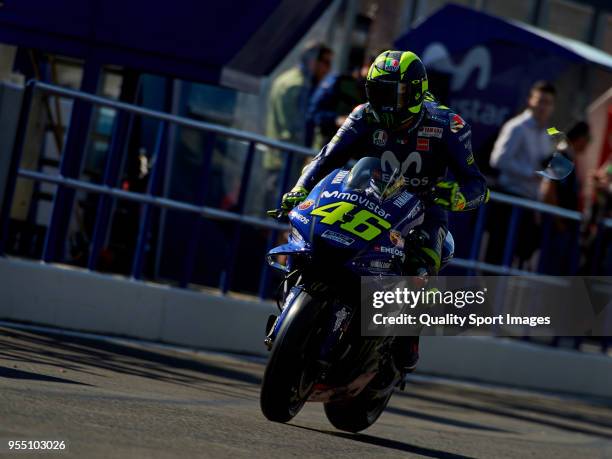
{"points": [[387, 96]]}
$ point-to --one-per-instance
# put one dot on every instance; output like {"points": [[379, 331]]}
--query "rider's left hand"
{"points": [[293, 198], [448, 196]]}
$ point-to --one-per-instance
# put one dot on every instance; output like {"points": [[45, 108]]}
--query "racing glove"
{"points": [[448, 196], [293, 198]]}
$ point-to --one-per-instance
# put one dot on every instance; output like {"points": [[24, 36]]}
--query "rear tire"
{"points": [[286, 384], [358, 413]]}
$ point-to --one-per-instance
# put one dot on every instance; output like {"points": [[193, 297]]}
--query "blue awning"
{"points": [[485, 65], [232, 42], [583, 51], [462, 28]]}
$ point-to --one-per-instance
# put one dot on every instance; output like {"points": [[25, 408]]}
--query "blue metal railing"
{"points": [[70, 163], [153, 197], [519, 206], [149, 199]]}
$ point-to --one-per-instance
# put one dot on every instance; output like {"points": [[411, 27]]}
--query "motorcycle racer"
{"points": [[408, 129]]}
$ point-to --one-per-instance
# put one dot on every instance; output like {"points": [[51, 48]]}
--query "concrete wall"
{"points": [[79, 300], [515, 363]]}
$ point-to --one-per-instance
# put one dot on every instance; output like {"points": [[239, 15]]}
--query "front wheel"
{"points": [[289, 375], [359, 413]]}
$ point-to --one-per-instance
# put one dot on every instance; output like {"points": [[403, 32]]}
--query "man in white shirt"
{"points": [[523, 144], [521, 148]]}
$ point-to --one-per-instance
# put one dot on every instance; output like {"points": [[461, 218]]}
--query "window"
{"points": [[569, 19], [606, 39], [520, 10]]}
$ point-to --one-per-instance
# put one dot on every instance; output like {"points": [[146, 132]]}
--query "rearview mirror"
{"points": [[558, 166]]}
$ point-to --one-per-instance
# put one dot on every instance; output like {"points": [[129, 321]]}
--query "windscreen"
{"points": [[367, 176]]}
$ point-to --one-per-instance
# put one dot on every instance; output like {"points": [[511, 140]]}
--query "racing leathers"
{"points": [[436, 142]]}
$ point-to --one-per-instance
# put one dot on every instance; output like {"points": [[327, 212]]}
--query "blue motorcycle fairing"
{"points": [[378, 256], [294, 245], [375, 256], [300, 217]]}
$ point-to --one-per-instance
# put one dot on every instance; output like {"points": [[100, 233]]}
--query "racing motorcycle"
{"points": [[357, 222]]}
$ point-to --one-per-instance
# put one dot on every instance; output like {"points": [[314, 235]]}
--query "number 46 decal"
{"points": [[360, 225]]}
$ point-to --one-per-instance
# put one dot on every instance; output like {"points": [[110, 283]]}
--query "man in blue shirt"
{"points": [[333, 101]]}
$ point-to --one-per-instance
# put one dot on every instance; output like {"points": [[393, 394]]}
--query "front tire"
{"points": [[358, 413], [287, 383]]}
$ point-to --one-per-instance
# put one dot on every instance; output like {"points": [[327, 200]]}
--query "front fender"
{"points": [[290, 248]]}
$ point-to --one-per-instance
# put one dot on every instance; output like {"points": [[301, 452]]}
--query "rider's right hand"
{"points": [[293, 198]]}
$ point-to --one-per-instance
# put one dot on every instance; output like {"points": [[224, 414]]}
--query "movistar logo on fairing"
{"points": [[353, 197]]}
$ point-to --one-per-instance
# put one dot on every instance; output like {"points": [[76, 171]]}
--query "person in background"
{"points": [[599, 239], [520, 149], [523, 144], [286, 117], [334, 99], [565, 193], [286, 113]]}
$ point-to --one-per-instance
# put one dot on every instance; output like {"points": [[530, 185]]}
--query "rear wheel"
{"points": [[290, 371], [357, 413]]}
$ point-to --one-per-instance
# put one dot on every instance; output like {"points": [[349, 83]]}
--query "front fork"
{"points": [[274, 321], [284, 296], [339, 317]]}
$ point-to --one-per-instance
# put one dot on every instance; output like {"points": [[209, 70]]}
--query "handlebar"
{"points": [[280, 215]]}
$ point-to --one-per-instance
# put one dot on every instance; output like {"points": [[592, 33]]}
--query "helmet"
{"points": [[395, 87]]}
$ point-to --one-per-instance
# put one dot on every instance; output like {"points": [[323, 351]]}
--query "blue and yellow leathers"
{"points": [[433, 152]]}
